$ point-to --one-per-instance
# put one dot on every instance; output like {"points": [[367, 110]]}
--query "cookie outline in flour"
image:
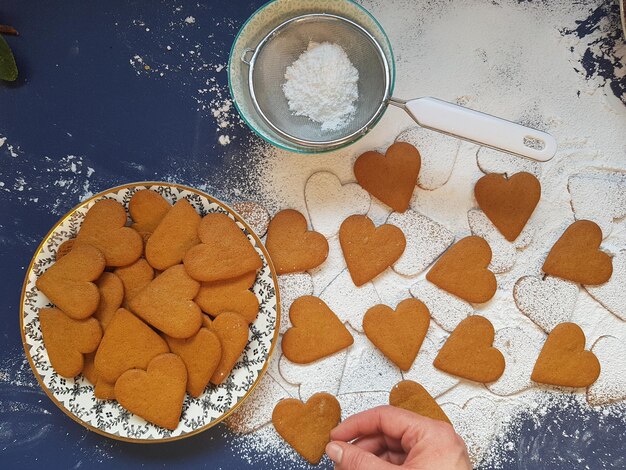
{"points": [[611, 288], [331, 229], [445, 301], [559, 283], [425, 146], [505, 163], [596, 398], [303, 280], [503, 252], [408, 221]]}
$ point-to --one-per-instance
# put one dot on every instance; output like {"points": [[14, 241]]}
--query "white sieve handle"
{"points": [[480, 128]]}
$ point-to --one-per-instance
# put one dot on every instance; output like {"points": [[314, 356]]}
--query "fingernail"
{"points": [[334, 451]]}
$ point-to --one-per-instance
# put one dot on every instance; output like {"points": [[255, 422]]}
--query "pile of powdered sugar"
{"points": [[322, 84]]}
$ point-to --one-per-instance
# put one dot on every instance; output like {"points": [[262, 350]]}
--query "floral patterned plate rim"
{"points": [[75, 397]]}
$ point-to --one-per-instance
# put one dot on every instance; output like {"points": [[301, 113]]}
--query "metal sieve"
{"points": [[269, 60]]}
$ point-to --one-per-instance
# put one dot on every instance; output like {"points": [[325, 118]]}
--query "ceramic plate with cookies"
{"points": [[149, 312]]}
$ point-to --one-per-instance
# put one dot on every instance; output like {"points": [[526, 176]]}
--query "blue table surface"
{"points": [[79, 94]]}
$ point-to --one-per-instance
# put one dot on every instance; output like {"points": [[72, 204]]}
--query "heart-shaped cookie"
{"points": [[576, 256], [316, 331], [135, 277], [563, 360], [127, 343], [174, 236], [232, 331], [413, 397], [292, 247], [156, 394], [462, 271], [229, 295], [367, 249], [469, 353], [398, 334], [111, 297], [201, 354], [306, 426], [391, 177], [225, 251], [167, 303], [66, 340], [105, 228], [69, 283], [508, 203], [612, 295], [147, 208]]}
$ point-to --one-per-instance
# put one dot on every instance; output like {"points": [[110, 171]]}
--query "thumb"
{"points": [[350, 457]]}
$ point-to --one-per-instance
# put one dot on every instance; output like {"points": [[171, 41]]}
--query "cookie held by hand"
{"points": [[67, 340], [576, 256], [316, 331], [69, 283], [469, 352], [225, 251], [156, 394], [508, 203], [398, 334], [291, 246], [105, 228], [391, 177], [367, 249], [563, 360], [463, 271], [306, 426], [411, 396]]}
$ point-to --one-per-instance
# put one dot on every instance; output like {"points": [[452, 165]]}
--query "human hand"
{"points": [[388, 438]]}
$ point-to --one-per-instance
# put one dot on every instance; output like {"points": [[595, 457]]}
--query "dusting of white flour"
{"points": [[322, 84]]}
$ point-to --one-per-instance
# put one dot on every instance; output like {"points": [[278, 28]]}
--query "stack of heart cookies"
{"points": [[150, 311]]}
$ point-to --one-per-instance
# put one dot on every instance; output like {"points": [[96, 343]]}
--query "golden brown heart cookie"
{"points": [[563, 360], [291, 246], [508, 203], [411, 396], [368, 249], [398, 334], [316, 331], [174, 236], [111, 297], [156, 394], [127, 343], [104, 390], [225, 251], [391, 177], [167, 303], [306, 426], [576, 256], [64, 248], [469, 352], [66, 340], [232, 330], [201, 354], [147, 208], [69, 283], [463, 271], [105, 228], [229, 295], [135, 277]]}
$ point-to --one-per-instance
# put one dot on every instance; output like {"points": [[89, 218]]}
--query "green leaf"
{"points": [[8, 69]]}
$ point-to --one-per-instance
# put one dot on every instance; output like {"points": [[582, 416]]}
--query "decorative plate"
{"points": [[76, 397]]}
